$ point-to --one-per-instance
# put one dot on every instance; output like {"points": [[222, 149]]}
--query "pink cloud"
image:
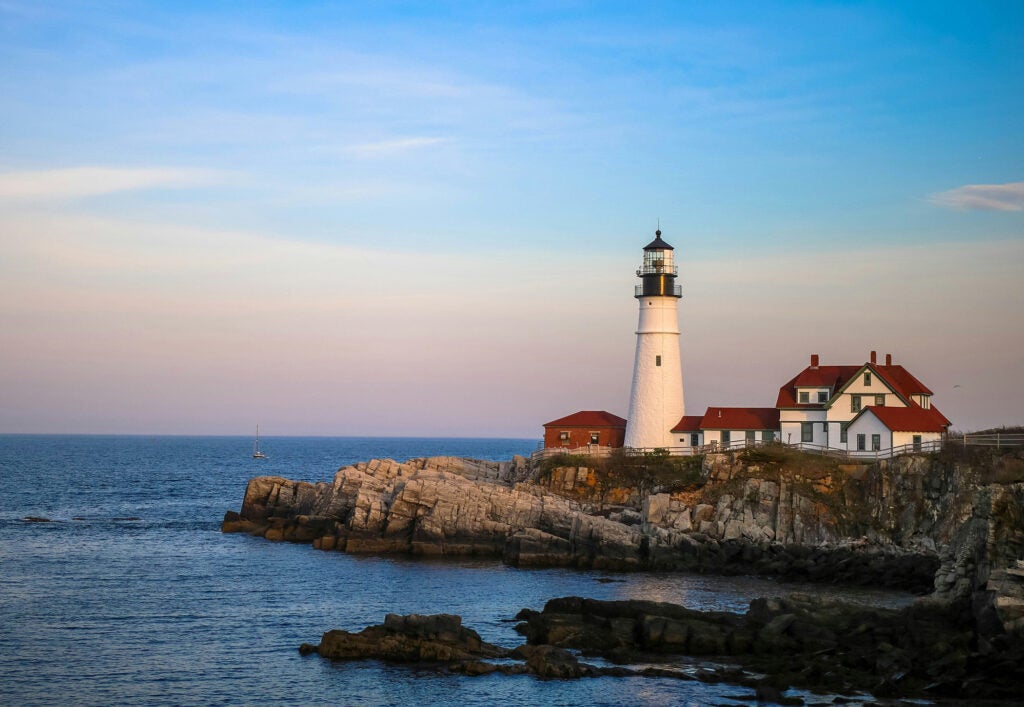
{"points": [[986, 197]]}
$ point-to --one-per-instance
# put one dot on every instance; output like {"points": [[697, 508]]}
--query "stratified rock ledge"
{"points": [[446, 506]]}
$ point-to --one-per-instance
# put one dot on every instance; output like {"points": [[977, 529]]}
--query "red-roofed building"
{"points": [[583, 428], [879, 428], [687, 431], [728, 427], [820, 403]]}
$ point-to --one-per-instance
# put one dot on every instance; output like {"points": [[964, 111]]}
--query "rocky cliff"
{"points": [[916, 522]]}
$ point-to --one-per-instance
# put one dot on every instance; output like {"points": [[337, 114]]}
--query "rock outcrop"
{"points": [[765, 511], [437, 506], [927, 649], [408, 639]]}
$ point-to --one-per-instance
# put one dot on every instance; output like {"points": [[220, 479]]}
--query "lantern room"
{"points": [[658, 272]]}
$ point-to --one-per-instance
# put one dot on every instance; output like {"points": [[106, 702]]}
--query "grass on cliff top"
{"points": [[777, 458], [655, 471]]}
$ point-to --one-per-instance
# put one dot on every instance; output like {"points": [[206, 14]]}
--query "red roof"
{"points": [[740, 419], [835, 377], [688, 423], [901, 380], [588, 418], [910, 419]]}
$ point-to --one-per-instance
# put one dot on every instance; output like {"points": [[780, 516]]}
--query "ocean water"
{"points": [[130, 594]]}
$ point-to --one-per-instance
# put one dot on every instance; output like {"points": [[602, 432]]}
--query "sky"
{"points": [[424, 219]]}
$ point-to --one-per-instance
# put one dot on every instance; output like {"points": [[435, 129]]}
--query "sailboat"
{"points": [[256, 453]]}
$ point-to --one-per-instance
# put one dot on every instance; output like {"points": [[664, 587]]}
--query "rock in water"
{"points": [[408, 639]]}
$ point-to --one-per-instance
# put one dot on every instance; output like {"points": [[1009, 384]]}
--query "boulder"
{"points": [[409, 639]]}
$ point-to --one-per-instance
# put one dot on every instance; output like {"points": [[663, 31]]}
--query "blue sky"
{"points": [[400, 218]]}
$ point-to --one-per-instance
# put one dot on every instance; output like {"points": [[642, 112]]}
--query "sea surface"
{"points": [[130, 594]]}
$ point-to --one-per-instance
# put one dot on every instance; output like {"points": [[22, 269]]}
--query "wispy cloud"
{"points": [[986, 197], [389, 147], [76, 182]]}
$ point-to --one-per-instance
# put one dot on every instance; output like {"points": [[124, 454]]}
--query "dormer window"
{"points": [[805, 397], [822, 396]]}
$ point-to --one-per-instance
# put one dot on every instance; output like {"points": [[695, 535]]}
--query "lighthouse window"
{"points": [[657, 360]]}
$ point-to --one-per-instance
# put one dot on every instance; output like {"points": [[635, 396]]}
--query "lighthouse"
{"points": [[656, 400]]}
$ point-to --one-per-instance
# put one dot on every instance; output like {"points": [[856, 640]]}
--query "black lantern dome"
{"points": [[658, 273]]}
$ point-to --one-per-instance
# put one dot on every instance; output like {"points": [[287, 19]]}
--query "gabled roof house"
{"points": [[819, 405]]}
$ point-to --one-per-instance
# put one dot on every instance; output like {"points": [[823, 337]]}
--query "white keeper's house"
{"points": [[856, 408]]}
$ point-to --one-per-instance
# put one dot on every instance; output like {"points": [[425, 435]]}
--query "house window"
{"points": [[657, 360], [563, 435], [854, 403], [842, 432], [768, 436], [880, 400], [750, 436], [805, 397], [595, 438], [917, 443], [822, 396], [876, 442], [824, 431], [694, 439], [867, 380], [806, 432], [726, 438], [861, 443]]}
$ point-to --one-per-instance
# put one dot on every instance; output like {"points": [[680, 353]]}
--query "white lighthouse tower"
{"points": [[656, 401]]}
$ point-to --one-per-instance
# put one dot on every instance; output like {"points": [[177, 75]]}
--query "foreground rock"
{"points": [[441, 640], [930, 649], [455, 507], [407, 639]]}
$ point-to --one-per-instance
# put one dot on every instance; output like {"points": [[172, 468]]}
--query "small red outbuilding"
{"points": [[585, 427]]}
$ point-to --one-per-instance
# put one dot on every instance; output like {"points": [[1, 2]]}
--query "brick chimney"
{"points": [[814, 360], [874, 358], [888, 359]]}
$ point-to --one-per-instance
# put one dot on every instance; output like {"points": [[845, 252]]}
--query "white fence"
{"points": [[989, 439], [993, 439]]}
